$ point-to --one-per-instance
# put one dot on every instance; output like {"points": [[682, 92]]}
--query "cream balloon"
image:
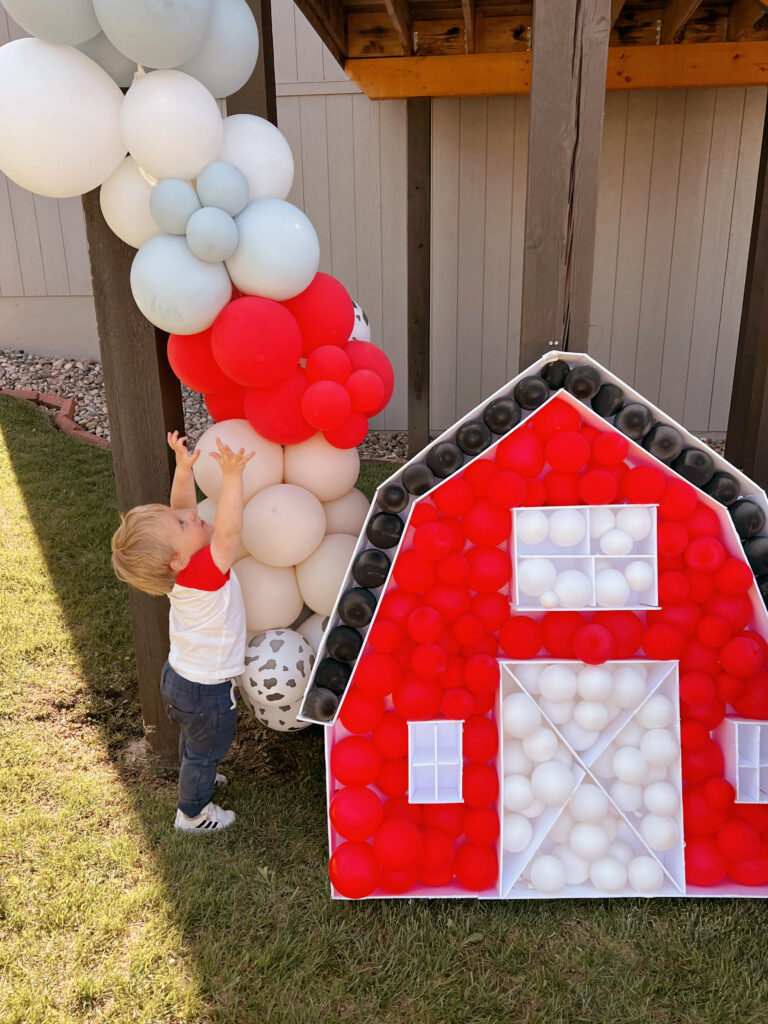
{"points": [[347, 513], [261, 152], [206, 509], [283, 524], [59, 119], [328, 472], [263, 470], [270, 594], [171, 124], [312, 629], [124, 200], [321, 575]]}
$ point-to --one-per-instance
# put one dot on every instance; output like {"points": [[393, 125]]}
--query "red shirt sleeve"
{"points": [[202, 573]]}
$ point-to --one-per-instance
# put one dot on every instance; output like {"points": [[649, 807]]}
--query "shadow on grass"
{"points": [[251, 916]]}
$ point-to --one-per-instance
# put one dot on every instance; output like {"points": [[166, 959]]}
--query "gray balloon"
{"points": [[226, 60], [56, 21], [212, 234], [175, 290], [223, 185], [172, 203], [155, 33], [116, 64]]}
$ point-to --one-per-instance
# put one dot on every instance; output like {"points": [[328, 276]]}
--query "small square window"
{"points": [[434, 762], [745, 749]]}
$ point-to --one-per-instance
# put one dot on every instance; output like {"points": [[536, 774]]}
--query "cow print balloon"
{"points": [[277, 667]]}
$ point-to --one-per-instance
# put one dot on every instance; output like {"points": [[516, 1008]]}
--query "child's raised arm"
{"points": [[228, 524], [183, 486]]}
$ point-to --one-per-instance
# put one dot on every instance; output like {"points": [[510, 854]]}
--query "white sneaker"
{"points": [[211, 819], [221, 780]]}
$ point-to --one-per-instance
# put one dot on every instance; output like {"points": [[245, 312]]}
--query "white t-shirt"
{"points": [[207, 622]]}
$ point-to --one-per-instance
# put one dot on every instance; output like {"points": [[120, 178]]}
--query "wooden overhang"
{"points": [[400, 49]]}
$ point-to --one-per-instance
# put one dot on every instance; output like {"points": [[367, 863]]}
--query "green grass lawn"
{"points": [[107, 914]]}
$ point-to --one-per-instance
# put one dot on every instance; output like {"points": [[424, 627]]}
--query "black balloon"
{"points": [[748, 518], [663, 442], [756, 551], [583, 382], [531, 392], [370, 568], [418, 479], [384, 530], [695, 465], [608, 400], [473, 437], [554, 373], [501, 415], [392, 498], [634, 420], [444, 458], [320, 704], [343, 643], [333, 675], [356, 607], [723, 487]]}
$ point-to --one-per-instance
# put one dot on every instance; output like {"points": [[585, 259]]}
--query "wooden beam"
{"points": [[257, 96], [570, 51], [743, 16], [419, 158], [616, 8], [701, 65], [400, 16], [327, 19], [468, 10], [676, 16]]}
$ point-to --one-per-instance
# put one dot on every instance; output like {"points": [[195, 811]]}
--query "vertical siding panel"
{"points": [[444, 271], [75, 246], [332, 71], [10, 272], [5, 32], [517, 233], [641, 117], [665, 170], [51, 246], [608, 217], [284, 41], [314, 159], [498, 221], [394, 243], [721, 180], [341, 179], [738, 251], [27, 240], [472, 179], [289, 122], [309, 50], [368, 210]]}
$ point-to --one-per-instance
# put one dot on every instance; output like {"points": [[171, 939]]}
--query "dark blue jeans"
{"points": [[206, 720]]}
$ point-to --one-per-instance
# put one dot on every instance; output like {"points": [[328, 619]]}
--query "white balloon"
{"points": [[600, 521], [557, 683], [175, 290], [278, 253], [171, 124], [283, 524], [657, 713], [660, 833], [645, 874], [321, 575], [635, 520], [328, 472], [590, 715], [520, 715], [576, 868], [540, 745], [516, 834], [639, 575], [263, 470], [616, 542], [589, 803], [660, 747], [270, 594], [611, 588], [59, 119], [549, 600], [119, 67], [157, 35], [621, 851], [588, 841], [629, 686], [626, 796], [567, 527], [559, 712], [532, 527], [629, 765], [551, 782], [227, 57], [548, 875], [528, 672], [124, 200], [516, 761], [55, 21], [561, 829], [517, 793], [630, 735], [578, 738], [535, 576], [661, 798], [573, 588], [261, 152], [347, 513], [608, 875], [594, 683]]}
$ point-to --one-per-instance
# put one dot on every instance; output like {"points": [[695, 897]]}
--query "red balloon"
{"points": [[700, 765], [554, 416], [507, 489], [433, 541], [449, 601], [644, 484], [480, 785], [484, 702], [489, 568], [567, 451], [417, 699], [453, 678], [481, 739], [325, 405], [436, 879], [392, 779], [673, 588], [481, 825], [360, 712], [663, 642], [671, 563], [701, 818], [493, 609], [448, 818], [562, 488], [684, 616], [593, 644], [377, 674], [487, 523], [256, 341], [459, 539], [671, 537], [397, 844], [729, 688], [192, 361], [437, 851], [755, 814], [693, 736], [710, 714], [390, 736], [366, 391], [703, 522], [398, 882], [384, 636], [734, 577], [751, 870], [429, 661], [558, 630], [397, 605], [752, 702], [479, 474], [423, 512], [454, 497], [324, 312], [413, 573], [535, 493], [742, 656], [738, 840], [453, 569], [698, 658], [353, 870], [350, 434], [476, 867], [521, 451], [365, 356], [328, 362], [482, 674], [355, 812], [679, 500], [355, 761], [226, 405], [275, 412], [721, 793], [425, 625], [697, 688], [468, 628], [625, 628], [610, 448], [702, 584], [457, 703], [704, 864], [705, 554], [713, 631], [521, 637], [736, 609], [487, 645], [399, 807], [598, 487]]}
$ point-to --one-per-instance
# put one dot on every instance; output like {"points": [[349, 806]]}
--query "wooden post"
{"points": [[746, 444], [257, 96], [144, 402], [570, 55], [419, 134]]}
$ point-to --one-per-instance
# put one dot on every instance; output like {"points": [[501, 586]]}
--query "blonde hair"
{"points": [[141, 556]]}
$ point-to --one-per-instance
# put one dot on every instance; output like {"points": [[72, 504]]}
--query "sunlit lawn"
{"points": [[107, 914]]}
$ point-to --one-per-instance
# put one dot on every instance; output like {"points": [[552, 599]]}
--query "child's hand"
{"points": [[184, 460], [229, 461]]}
